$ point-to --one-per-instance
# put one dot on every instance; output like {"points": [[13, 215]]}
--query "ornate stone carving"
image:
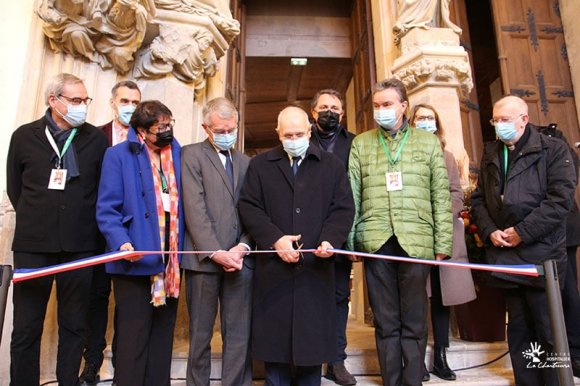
{"points": [[422, 14], [188, 36], [189, 44], [107, 32], [435, 70]]}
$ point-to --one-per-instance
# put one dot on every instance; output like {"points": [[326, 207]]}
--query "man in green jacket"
{"points": [[403, 208]]}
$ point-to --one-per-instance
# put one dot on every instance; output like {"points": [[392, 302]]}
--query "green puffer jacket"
{"points": [[419, 214]]}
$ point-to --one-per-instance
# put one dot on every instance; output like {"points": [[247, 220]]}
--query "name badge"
{"points": [[394, 181], [166, 202], [57, 179]]}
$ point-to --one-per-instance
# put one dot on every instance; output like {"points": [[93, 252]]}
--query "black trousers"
{"points": [[529, 324], [98, 317], [284, 374], [398, 299], [30, 299], [342, 270], [571, 304], [144, 333], [439, 312]]}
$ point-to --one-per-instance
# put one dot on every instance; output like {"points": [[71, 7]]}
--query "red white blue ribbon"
{"points": [[22, 274]]}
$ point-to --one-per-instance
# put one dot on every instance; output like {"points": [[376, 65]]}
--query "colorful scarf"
{"points": [[166, 283]]}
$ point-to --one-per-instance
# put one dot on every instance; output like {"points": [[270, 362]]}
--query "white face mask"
{"points": [[125, 113], [386, 118], [429, 126], [76, 114], [296, 147], [506, 131]]}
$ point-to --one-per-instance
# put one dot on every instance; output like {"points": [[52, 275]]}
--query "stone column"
{"points": [[435, 69]]}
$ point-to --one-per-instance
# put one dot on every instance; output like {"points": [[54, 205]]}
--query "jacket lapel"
{"points": [[215, 160]]}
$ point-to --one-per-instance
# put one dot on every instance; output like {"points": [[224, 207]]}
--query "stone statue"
{"points": [[188, 51], [422, 14], [107, 32]]}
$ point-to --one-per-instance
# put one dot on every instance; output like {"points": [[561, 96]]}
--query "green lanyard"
{"points": [[66, 144], [505, 163], [393, 161], [163, 181]]}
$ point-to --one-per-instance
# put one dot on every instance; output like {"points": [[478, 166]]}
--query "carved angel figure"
{"points": [[422, 14]]}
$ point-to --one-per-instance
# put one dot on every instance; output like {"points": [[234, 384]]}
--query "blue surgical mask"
{"points": [[76, 114], [296, 147], [386, 118], [125, 113], [429, 126], [506, 131], [225, 141]]}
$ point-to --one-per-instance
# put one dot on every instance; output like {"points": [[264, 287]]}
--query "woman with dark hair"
{"points": [[448, 286], [139, 208]]}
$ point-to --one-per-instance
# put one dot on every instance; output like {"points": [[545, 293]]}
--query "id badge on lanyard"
{"points": [[57, 180]]}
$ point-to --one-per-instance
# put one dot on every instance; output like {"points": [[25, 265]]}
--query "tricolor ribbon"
{"points": [[22, 274]]}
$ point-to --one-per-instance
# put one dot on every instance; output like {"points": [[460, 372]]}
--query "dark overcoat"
{"points": [[294, 304], [540, 183], [49, 220]]}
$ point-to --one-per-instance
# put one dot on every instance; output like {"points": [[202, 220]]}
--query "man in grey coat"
{"points": [[213, 173]]}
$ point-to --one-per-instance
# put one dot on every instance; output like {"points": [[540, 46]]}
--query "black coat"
{"points": [[342, 143], [537, 198], [294, 304], [54, 220]]}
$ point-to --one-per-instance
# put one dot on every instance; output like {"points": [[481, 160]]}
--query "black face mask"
{"points": [[328, 120], [164, 138]]}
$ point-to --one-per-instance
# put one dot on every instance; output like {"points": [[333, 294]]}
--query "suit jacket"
{"points": [[211, 205], [54, 220], [108, 130], [294, 305]]}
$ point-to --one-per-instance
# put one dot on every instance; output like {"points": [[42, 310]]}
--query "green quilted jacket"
{"points": [[419, 214]]}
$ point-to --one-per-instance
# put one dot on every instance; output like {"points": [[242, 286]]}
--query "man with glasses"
{"points": [[524, 191], [125, 96], [295, 196], [213, 174], [330, 135], [53, 170]]}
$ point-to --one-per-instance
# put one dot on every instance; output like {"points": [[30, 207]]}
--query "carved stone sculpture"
{"points": [[422, 14], [107, 32]]}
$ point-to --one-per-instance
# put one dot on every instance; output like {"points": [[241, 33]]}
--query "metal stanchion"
{"points": [[6, 275], [557, 321]]}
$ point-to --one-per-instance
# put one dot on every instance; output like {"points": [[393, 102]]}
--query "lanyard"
{"points": [[64, 148], [163, 180], [393, 161], [505, 163]]}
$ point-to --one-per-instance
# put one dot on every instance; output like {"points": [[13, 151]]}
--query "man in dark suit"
{"points": [[125, 96], [212, 174], [328, 134], [295, 195], [53, 171]]}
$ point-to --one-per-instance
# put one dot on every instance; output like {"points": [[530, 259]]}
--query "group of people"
{"points": [[262, 233]]}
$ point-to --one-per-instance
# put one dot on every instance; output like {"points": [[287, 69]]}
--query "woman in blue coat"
{"points": [[139, 208]]}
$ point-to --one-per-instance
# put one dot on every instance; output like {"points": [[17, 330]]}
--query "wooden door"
{"points": [[363, 64], [235, 85], [534, 61]]}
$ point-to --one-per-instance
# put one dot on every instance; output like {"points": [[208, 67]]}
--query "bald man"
{"points": [[295, 196], [525, 189]]}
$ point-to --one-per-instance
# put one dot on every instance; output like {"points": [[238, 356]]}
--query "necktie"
{"points": [[229, 167], [295, 165]]}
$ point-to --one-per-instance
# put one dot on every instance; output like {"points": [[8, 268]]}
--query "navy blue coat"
{"points": [[127, 207], [293, 316]]}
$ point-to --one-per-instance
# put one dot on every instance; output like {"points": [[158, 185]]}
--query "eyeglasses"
{"points": [[77, 101], [165, 126], [495, 121], [424, 118], [223, 130]]}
